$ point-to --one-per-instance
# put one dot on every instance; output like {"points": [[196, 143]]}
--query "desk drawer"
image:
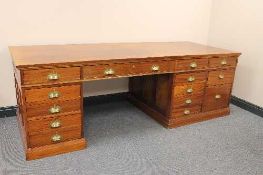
{"points": [[52, 93], [189, 89], [54, 137], [185, 112], [187, 101], [222, 62], [191, 64], [216, 97], [187, 78], [221, 77], [153, 67], [102, 71], [53, 108], [50, 76], [37, 125]]}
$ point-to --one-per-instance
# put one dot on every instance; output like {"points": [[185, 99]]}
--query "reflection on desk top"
{"points": [[77, 53]]}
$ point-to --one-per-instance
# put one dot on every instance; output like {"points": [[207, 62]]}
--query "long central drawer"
{"points": [[102, 71]]}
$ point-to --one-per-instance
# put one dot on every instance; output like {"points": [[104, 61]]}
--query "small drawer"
{"points": [[216, 97], [50, 76], [187, 101], [222, 62], [53, 108], [185, 112], [191, 64], [187, 78], [189, 89], [54, 137], [221, 77], [52, 93], [102, 71], [155, 67], [37, 125]]}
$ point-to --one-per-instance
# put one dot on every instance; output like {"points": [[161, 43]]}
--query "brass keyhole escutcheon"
{"points": [[55, 124], [193, 65], [56, 138], [191, 79], [187, 112]]}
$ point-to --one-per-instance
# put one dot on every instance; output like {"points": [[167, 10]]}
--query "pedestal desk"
{"points": [[176, 83]]}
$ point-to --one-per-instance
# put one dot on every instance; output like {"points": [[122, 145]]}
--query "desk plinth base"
{"points": [[55, 149], [168, 122]]}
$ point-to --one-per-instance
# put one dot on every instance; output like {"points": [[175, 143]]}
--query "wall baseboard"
{"points": [[11, 110], [8, 111], [247, 106]]}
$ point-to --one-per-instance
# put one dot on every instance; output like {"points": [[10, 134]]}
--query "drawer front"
{"points": [[106, 71], [191, 64], [154, 67], [187, 101], [185, 112], [53, 108], [37, 125], [54, 137], [50, 76], [222, 62], [221, 77], [189, 89], [187, 78], [216, 97], [52, 93]]}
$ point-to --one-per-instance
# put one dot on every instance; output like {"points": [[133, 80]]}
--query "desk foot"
{"points": [[55, 149]]}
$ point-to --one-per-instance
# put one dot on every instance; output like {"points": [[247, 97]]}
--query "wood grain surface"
{"points": [[51, 54]]}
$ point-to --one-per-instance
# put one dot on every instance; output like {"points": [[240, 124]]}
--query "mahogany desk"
{"points": [[175, 83]]}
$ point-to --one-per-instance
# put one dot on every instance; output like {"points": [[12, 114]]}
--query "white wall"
{"points": [[238, 25], [88, 21]]}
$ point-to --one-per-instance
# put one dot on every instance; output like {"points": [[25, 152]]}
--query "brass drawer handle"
{"points": [[55, 124], [221, 76], [54, 94], [53, 76], [188, 101], [155, 68], [217, 96], [187, 112], [55, 109], [109, 71], [189, 90], [223, 62], [191, 79], [56, 138], [193, 65]]}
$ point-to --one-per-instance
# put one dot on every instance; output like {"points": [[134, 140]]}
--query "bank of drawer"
{"points": [[52, 93], [50, 76], [187, 78], [53, 108], [221, 77], [58, 136], [154, 67], [189, 89], [191, 64], [49, 123], [216, 97], [101, 71], [185, 112], [187, 101], [222, 62]]}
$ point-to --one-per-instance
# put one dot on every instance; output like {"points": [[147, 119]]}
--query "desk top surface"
{"points": [[52, 54]]}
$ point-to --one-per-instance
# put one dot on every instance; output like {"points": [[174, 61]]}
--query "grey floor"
{"points": [[124, 140]]}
